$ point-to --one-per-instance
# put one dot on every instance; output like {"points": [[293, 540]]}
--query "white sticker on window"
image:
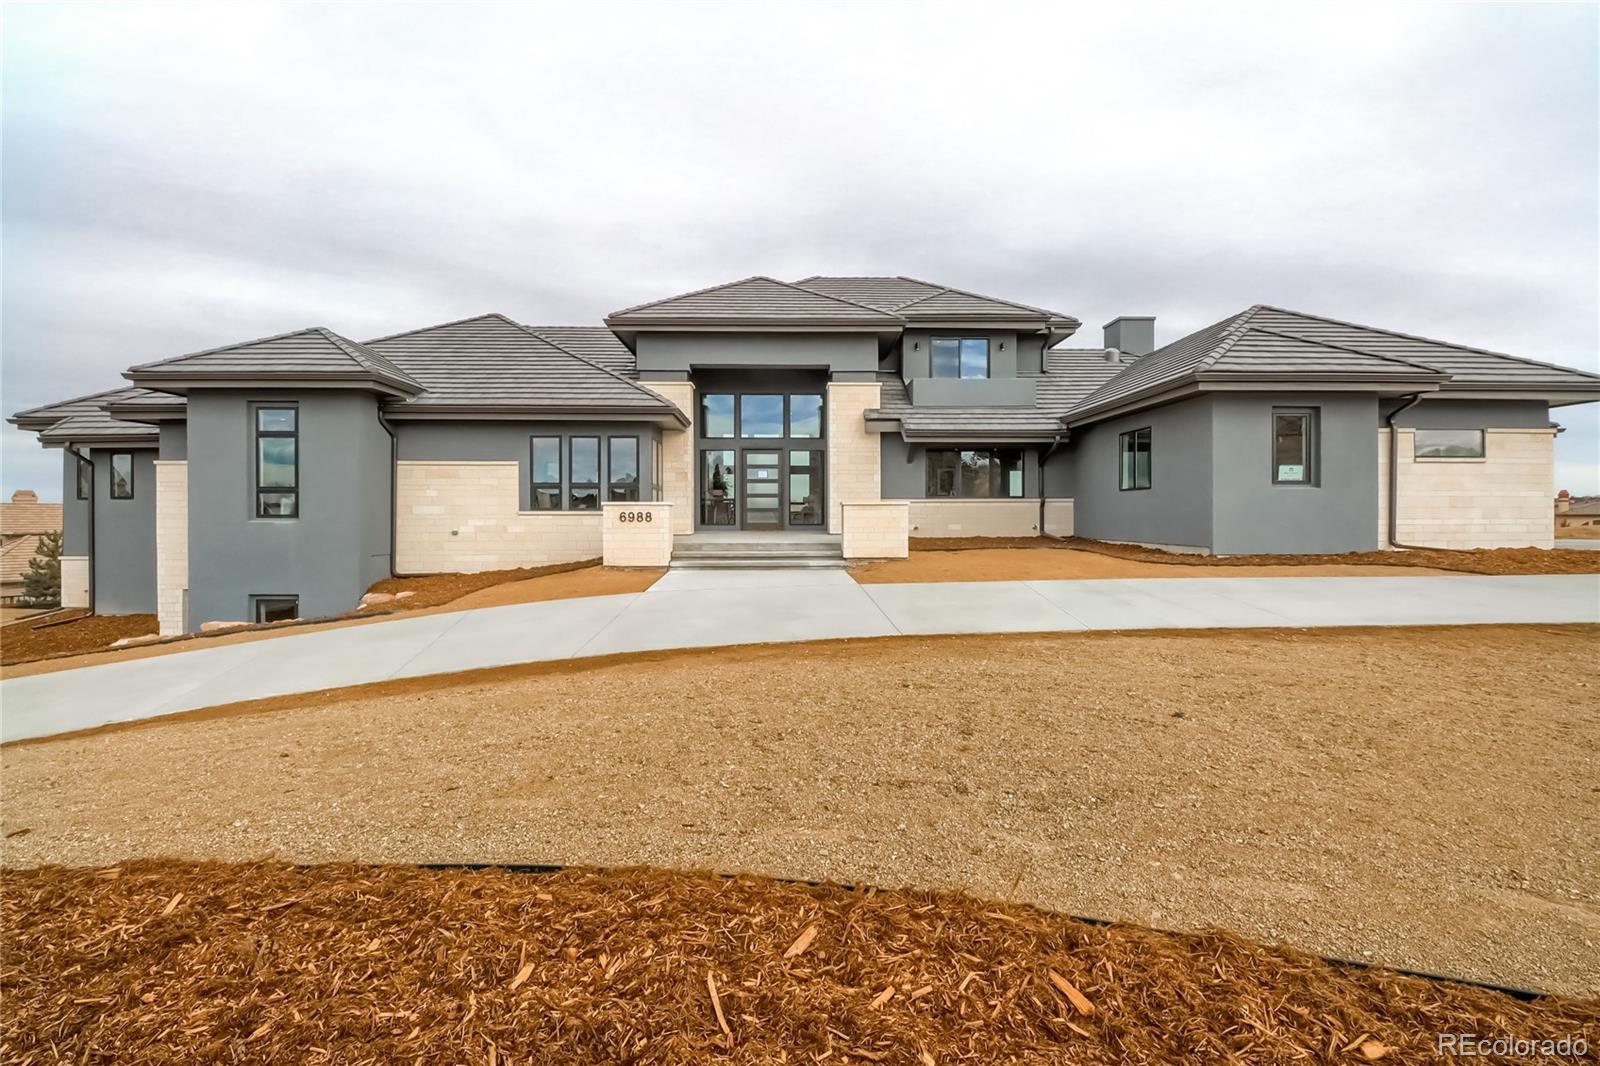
{"points": [[1286, 472]]}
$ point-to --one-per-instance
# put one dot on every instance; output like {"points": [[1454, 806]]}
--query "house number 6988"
{"points": [[636, 516]]}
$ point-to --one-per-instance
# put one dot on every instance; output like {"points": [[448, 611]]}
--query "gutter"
{"points": [[70, 450], [1394, 471], [394, 488]]}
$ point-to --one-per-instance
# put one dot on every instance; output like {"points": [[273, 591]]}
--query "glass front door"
{"points": [[763, 489]]}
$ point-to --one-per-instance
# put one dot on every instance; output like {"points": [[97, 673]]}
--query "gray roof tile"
{"points": [[595, 343], [752, 300], [316, 353], [45, 414], [916, 300], [886, 294], [97, 426]]}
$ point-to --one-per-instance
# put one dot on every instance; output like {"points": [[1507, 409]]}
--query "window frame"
{"points": [[111, 476], [258, 601], [573, 484], [257, 434], [788, 415], [533, 466], [1310, 445], [703, 430], [1483, 445], [999, 488], [82, 489], [960, 374], [783, 416], [611, 482], [1128, 481]]}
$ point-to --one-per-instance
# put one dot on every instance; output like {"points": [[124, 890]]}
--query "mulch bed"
{"points": [[1478, 561], [39, 638], [161, 961]]}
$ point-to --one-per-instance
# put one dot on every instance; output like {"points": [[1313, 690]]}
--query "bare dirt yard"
{"points": [[161, 962], [1039, 563], [1426, 798]]}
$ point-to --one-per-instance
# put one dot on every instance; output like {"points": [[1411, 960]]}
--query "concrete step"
{"points": [[765, 562], [722, 551]]}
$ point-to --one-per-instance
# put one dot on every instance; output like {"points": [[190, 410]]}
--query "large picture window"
{"points": [[1133, 450], [277, 462], [122, 475], [760, 415], [959, 357], [622, 468], [1294, 446], [546, 489], [977, 474], [584, 491], [1449, 444]]}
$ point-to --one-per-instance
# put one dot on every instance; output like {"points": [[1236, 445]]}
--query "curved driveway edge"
{"points": [[689, 609]]}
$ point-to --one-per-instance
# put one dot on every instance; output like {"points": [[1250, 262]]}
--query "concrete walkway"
{"points": [[688, 609]]}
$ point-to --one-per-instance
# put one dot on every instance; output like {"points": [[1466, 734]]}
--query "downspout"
{"points": [[1394, 472], [70, 450], [394, 488], [1045, 458]]}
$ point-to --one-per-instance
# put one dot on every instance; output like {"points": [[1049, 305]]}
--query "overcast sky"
{"points": [[179, 177]]}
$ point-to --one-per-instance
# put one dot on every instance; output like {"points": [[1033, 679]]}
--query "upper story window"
{"points": [[980, 474], [959, 357], [1294, 446], [805, 416], [716, 415], [1449, 444], [545, 494], [277, 462], [622, 468], [1133, 450], [760, 415], [122, 475]]}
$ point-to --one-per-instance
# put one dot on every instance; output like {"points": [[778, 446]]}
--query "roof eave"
{"points": [[180, 382], [664, 415]]}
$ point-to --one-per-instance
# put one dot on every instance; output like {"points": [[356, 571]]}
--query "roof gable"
{"points": [[316, 353], [753, 300]]}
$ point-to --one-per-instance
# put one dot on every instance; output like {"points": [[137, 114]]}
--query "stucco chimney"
{"points": [[1563, 501], [1132, 334], [24, 496]]}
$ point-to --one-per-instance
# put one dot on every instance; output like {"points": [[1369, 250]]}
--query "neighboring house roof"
{"points": [[491, 364], [753, 301], [316, 354], [919, 301], [47, 415], [596, 344], [24, 514], [14, 556], [100, 430], [1582, 507]]}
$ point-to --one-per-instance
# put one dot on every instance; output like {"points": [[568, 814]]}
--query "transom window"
{"points": [[760, 415], [994, 473], [1449, 444], [277, 462], [1294, 446], [122, 475], [1133, 450], [959, 357]]}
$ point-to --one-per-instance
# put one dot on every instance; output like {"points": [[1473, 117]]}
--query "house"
{"points": [[23, 523], [280, 477], [1573, 514]]}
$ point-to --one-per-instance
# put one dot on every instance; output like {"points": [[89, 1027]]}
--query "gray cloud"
{"points": [[182, 176]]}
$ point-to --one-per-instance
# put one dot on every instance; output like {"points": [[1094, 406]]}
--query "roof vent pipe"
{"points": [[1133, 334], [1113, 356]]}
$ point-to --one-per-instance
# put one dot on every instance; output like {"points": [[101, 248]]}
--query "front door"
{"points": [[762, 472]]}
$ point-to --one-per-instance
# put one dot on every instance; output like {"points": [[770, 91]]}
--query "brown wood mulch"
{"points": [[67, 633], [161, 961], [435, 590], [1477, 561]]}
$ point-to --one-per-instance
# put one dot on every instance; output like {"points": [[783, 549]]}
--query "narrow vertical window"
{"points": [[85, 475], [584, 466], [805, 417], [122, 475], [622, 468], [277, 462], [716, 415], [1294, 446], [546, 488], [1134, 453]]}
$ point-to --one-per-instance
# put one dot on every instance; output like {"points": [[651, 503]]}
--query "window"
{"points": [[275, 608], [718, 488], [760, 415], [1294, 446], [1134, 450], [1449, 444], [85, 475], [277, 462], [584, 492], [546, 491], [805, 488], [122, 475], [959, 357], [657, 464], [805, 416], [986, 474], [622, 468], [716, 415]]}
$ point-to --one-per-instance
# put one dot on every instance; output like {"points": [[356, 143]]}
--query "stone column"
{"points": [[172, 544], [855, 463], [677, 455]]}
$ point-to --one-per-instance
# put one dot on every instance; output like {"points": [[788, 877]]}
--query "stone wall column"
{"points": [[855, 463], [677, 455], [172, 545]]}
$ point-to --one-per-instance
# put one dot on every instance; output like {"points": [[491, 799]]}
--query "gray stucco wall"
{"points": [[676, 353], [1472, 414], [506, 441], [74, 512], [1250, 514], [175, 440], [904, 467], [330, 554], [125, 537], [1176, 509]]}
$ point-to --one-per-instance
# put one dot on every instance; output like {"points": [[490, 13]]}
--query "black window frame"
{"points": [[111, 476], [533, 465], [705, 419], [1416, 441], [573, 484], [257, 602], [1128, 480], [988, 359], [788, 415], [1311, 444], [997, 470], [612, 484], [255, 458]]}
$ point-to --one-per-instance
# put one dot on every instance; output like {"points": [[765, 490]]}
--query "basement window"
{"points": [[1449, 444], [274, 608], [1133, 450]]}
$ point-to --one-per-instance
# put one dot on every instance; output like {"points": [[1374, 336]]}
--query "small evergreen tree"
{"points": [[41, 585]]}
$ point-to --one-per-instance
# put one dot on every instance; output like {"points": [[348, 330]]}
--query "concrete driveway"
{"points": [[688, 609]]}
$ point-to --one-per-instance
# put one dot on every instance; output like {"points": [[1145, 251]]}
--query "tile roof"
{"points": [[97, 427], [886, 294], [15, 554], [916, 300], [596, 344], [28, 516], [316, 353], [48, 414], [491, 362], [753, 300]]}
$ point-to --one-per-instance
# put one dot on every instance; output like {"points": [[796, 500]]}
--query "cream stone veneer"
{"points": [[855, 472], [875, 529], [1499, 501], [74, 581], [463, 517], [172, 544], [677, 455], [636, 534]]}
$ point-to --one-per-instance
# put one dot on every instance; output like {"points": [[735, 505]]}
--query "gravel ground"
{"points": [[1424, 798]]}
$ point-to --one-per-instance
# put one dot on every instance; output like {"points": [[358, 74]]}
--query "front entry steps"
{"points": [[757, 551]]}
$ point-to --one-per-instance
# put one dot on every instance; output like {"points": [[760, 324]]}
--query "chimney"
{"points": [[1134, 335], [24, 496], [1563, 502]]}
